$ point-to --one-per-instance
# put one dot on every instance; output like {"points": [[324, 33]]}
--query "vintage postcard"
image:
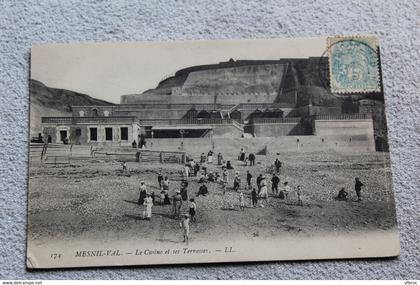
{"points": [[208, 151]]}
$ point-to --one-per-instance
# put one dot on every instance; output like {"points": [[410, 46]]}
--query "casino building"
{"points": [[244, 99]]}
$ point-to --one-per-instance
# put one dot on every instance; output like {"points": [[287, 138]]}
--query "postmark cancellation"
{"points": [[353, 64]]}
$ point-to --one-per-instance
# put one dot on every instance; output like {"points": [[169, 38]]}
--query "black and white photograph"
{"points": [[208, 152]]}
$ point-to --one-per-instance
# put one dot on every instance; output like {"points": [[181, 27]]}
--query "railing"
{"points": [[253, 106], [164, 106], [215, 121], [81, 120], [343, 117], [275, 120]]}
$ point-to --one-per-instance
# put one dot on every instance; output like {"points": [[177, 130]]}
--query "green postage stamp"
{"points": [[353, 64]]}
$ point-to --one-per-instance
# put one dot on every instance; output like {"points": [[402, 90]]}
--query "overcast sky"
{"points": [[109, 70]]}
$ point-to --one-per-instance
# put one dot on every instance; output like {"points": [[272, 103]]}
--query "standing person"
{"points": [[148, 203], [210, 157], [186, 171], [124, 166], [204, 168], [299, 195], [254, 197], [264, 190], [196, 168], [177, 202], [165, 184], [160, 179], [202, 158], [277, 164], [248, 179], [166, 200], [225, 175], [143, 193], [286, 189], [259, 178], [162, 198], [242, 155], [241, 201], [184, 191], [219, 159], [193, 209], [358, 187], [236, 181], [185, 226], [275, 184], [251, 157]]}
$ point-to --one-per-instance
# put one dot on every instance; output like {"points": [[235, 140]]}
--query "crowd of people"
{"points": [[199, 171]]}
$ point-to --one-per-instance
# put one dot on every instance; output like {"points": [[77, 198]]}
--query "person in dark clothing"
{"points": [[184, 194], [277, 164], [236, 182], [202, 158], [143, 194], [228, 165], [254, 198], [153, 197], [166, 200], [242, 155], [275, 180], [134, 144], [160, 179], [259, 179], [342, 195], [196, 169], [358, 187], [248, 179], [202, 190], [251, 158], [219, 159], [184, 191], [210, 177]]}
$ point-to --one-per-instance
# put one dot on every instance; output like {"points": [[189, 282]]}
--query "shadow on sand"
{"points": [[132, 202]]}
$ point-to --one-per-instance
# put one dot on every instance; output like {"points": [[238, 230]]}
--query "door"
{"points": [[63, 135]]}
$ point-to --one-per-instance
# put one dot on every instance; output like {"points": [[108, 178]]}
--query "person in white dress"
{"points": [[264, 189], [148, 203]]}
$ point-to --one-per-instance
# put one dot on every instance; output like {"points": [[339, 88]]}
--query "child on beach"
{"points": [[254, 197], [299, 195], [193, 208], [185, 226], [241, 201]]}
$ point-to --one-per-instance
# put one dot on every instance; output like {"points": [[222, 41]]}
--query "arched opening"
{"points": [[236, 115], [277, 113], [203, 115], [256, 114], [191, 113], [215, 115]]}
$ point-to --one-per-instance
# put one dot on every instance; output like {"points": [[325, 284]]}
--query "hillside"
{"points": [[297, 81], [47, 101]]}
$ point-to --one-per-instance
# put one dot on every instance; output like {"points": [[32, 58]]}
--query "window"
{"points": [[124, 133], [81, 113], [93, 134], [94, 112], [106, 113], [108, 134]]}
